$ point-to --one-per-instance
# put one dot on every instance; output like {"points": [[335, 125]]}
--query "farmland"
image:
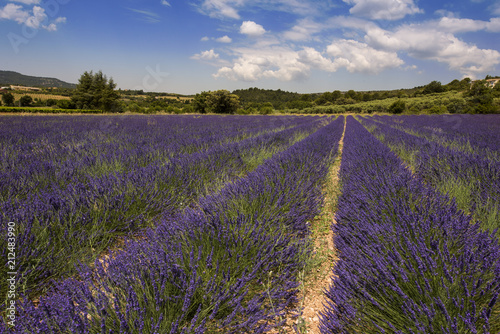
{"points": [[203, 224]]}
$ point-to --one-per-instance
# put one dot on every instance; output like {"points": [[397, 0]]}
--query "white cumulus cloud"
{"points": [[224, 39], [315, 59], [206, 55], [428, 42], [35, 19], [14, 12], [251, 28], [383, 9], [359, 57], [277, 62], [454, 25]]}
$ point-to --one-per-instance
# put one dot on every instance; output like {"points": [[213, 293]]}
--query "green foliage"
{"points": [[95, 91], [299, 104], [50, 102], [135, 108], [266, 109], [278, 98], [328, 97], [433, 87], [397, 107], [26, 101], [496, 90], [460, 86], [66, 104], [8, 99], [220, 102], [188, 109], [480, 98], [200, 102]]}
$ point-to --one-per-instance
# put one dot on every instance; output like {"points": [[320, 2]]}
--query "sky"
{"points": [[305, 46]]}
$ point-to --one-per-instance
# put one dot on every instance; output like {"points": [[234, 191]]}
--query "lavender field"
{"points": [[202, 224]]}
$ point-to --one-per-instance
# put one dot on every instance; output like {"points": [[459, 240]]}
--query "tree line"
{"points": [[98, 92]]}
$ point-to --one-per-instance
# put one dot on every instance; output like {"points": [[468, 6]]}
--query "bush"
{"points": [[397, 107]]}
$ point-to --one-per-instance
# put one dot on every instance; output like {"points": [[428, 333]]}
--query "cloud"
{"points": [[303, 30], [277, 62], [165, 3], [230, 8], [14, 12], [252, 29], [146, 16], [27, 2], [221, 8], [359, 57], [39, 16], [35, 19], [495, 8], [428, 42], [205, 39], [315, 59], [206, 55], [454, 25], [224, 39], [383, 9], [493, 25], [458, 25]]}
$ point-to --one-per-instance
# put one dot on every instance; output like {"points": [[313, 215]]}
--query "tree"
{"points": [[200, 102], [51, 102], [433, 87], [8, 99], [480, 97], [95, 91], [26, 101], [222, 102], [397, 107], [351, 94]]}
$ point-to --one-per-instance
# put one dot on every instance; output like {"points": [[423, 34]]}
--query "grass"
{"points": [[42, 97], [464, 190]]}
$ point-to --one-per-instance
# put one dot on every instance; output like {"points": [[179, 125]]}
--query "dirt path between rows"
{"points": [[319, 276], [314, 292]]}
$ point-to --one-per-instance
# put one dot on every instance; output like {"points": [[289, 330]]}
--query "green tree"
{"points": [[8, 99], [351, 94], [96, 91], [200, 102], [25, 101], [496, 90], [222, 102], [433, 87], [397, 107], [480, 97], [51, 102]]}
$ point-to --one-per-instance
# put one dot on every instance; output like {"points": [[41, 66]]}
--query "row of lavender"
{"points": [[229, 265], [409, 260], [470, 174], [478, 133], [74, 201]]}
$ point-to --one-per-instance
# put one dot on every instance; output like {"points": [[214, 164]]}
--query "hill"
{"points": [[15, 78]]}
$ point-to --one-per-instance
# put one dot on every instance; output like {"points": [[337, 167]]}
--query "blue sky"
{"points": [[296, 45]]}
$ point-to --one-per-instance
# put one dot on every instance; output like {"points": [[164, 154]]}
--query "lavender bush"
{"points": [[229, 263], [409, 260]]}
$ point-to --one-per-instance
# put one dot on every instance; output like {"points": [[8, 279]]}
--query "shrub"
{"points": [[397, 107]]}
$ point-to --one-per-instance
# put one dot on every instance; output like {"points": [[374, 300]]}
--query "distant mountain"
{"points": [[14, 78]]}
